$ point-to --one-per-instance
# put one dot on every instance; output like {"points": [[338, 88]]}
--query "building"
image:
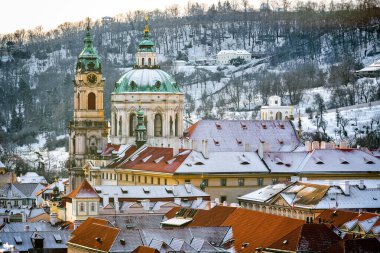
{"points": [[31, 177], [112, 200], [225, 56], [46, 194], [275, 111], [304, 200], [6, 177], [372, 70], [17, 195], [87, 130], [150, 91], [98, 235]]}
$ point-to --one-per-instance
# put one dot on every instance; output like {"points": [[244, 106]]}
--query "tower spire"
{"points": [[146, 29]]}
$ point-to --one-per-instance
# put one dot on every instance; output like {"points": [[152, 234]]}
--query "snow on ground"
{"points": [[54, 160]]}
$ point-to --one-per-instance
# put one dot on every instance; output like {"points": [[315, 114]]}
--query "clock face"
{"points": [[91, 78]]}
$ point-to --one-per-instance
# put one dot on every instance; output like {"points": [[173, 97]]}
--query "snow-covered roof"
{"points": [[237, 52], [264, 194], [339, 161], [150, 192], [284, 162], [374, 67], [31, 177], [234, 135], [237, 162]]}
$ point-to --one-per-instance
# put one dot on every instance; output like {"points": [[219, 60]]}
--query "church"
{"points": [[146, 143]]}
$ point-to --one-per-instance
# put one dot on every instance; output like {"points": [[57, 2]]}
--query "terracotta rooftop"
{"points": [[155, 159], [94, 236], [254, 229], [84, 190], [145, 249], [368, 245], [307, 238], [87, 222], [335, 217]]}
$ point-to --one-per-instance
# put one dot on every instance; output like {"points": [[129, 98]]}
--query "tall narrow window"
{"points": [[120, 125], [142, 61], [158, 125], [92, 207], [78, 102], [149, 61], [171, 126], [115, 124], [132, 124], [81, 207], [91, 102], [176, 125]]}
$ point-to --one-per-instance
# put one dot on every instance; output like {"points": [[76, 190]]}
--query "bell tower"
{"points": [[88, 129]]}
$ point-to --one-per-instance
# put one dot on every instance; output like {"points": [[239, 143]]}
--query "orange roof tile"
{"points": [[145, 249], [95, 236], [155, 159], [308, 238], [213, 217], [84, 190], [87, 222], [335, 217]]}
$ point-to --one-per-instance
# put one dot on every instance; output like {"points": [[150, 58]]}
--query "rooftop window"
{"points": [[218, 125]]}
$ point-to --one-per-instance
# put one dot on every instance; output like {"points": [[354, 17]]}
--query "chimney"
{"points": [[175, 148], [217, 201], [308, 146], [194, 145], [106, 199], [346, 188], [324, 145], [146, 204], [212, 204], [315, 145], [116, 203], [263, 148], [205, 149], [177, 201], [225, 203], [247, 147], [361, 184], [343, 145]]}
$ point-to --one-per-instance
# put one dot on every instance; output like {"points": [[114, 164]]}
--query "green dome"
{"points": [[146, 80]]}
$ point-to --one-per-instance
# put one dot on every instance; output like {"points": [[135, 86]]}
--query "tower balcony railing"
{"points": [[88, 124]]}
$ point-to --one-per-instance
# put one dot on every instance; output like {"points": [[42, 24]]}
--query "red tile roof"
{"points": [[145, 249], [94, 235], [335, 217], [82, 228], [127, 154], [256, 228], [107, 150], [155, 159], [307, 238], [84, 190]]}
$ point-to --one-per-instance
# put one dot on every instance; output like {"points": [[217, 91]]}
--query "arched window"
{"points": [[278, 116], [149, 61], [171, 126], [78, 102], [142, 61], [81, 207], [132, 124], [158, 125], [176, 125], [91, 101], [114, 124], [120, 125], [92, 207]]}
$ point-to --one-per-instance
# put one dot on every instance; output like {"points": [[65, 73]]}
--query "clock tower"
{"points": [[88, 130]]}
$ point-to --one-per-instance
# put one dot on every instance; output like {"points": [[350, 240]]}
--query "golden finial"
{"points": [[146, 30]]}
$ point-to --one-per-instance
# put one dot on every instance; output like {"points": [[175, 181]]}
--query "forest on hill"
{"points": [[303, 46]]}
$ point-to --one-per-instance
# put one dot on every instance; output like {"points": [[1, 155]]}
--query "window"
{"points": [[126, 177], [120, 177], [103, 175], [132, 124], [241, 181], [166, 181], [143, 61], [120, 125], [149, 61], [187, 181], [274, 180], [78, 102], [106, 175], [176, 125], [91, 101], [158, 125], [151, 180], [139, 179], [146, 180], [92, 207], [115, 124], [205, 182], [260, 181], [158, 180], [81, 207], [223, 198], [223, 182]]}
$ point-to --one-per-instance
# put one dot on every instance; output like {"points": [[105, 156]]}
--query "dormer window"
{"points": [[144, 160], [318, 160], [239, 142], [218, 125], [216, 142], [243, 126], [158, 159], [343, 161], [278, 161], [281, 142], [368, 161], [282, 126], [264, 126]]}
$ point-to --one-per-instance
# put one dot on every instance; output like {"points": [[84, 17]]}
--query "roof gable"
{"points": [[84, 191]]}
